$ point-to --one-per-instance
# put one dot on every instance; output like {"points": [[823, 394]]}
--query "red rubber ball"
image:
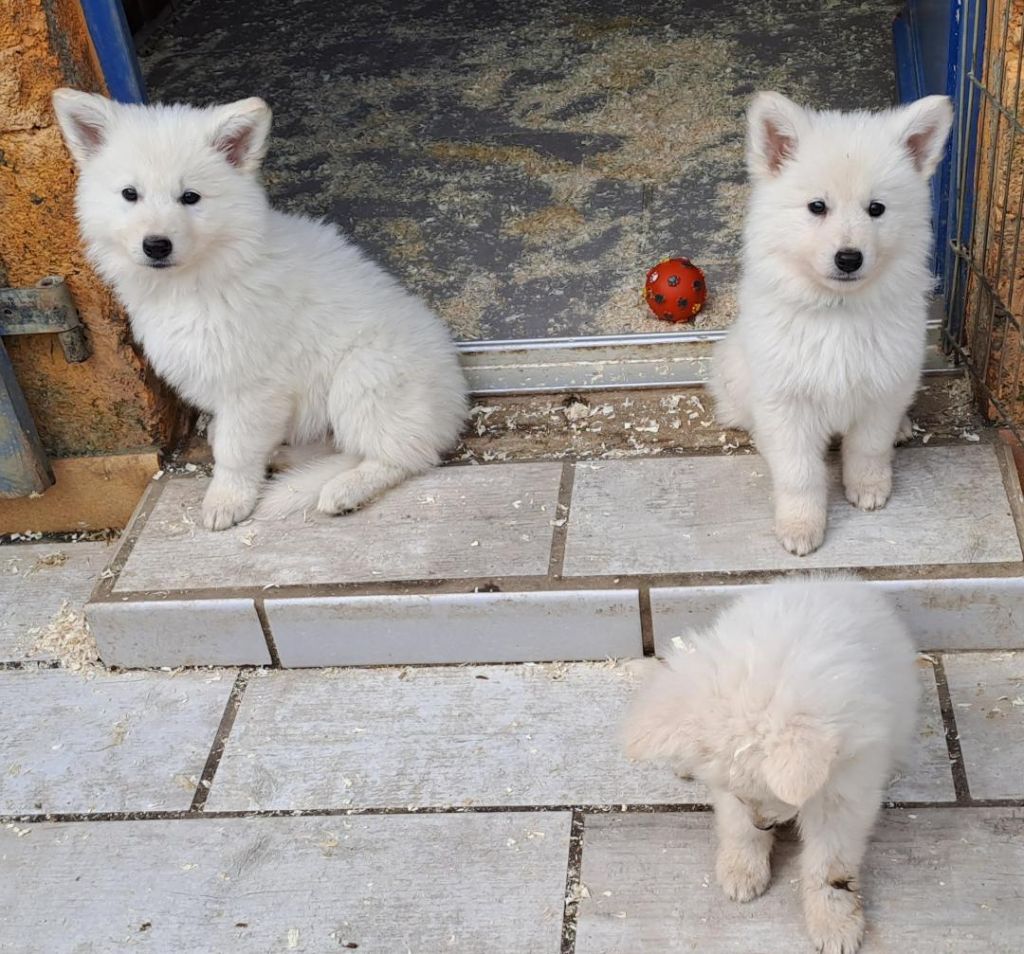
{"points": [[675, 290]]}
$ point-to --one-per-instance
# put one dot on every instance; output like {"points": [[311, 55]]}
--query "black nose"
{"points": [[159, 247], [849, 260]]}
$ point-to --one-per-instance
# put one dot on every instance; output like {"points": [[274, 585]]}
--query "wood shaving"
{"points": [[69, 640], [52, 559]]}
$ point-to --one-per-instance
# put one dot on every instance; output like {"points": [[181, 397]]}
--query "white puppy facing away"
{"points": [[797, 703], [830, 335], [275, 324]]}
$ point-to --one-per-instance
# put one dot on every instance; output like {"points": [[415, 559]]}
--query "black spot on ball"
{"points": [[698, 283], [660, 299], [683, 302], [673, 280]]}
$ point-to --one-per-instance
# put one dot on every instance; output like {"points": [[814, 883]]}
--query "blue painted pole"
{"points": [[115, 50]]}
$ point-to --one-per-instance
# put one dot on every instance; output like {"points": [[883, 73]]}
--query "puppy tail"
{"points": [[298, 490]]}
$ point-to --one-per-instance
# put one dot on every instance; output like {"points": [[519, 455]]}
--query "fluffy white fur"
{"points": [[273, 323], [816, 352], [796, 703]]}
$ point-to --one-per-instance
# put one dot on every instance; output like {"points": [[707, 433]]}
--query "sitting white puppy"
{"points": [[796, 703], [830, 337], [275, 324]]}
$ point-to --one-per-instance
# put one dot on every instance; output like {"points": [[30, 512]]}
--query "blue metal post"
{"points": [[115, 50]]}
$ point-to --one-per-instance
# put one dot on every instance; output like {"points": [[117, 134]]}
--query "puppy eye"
{"points": [[875, 209], [189, 197], [817, 207], [129, 194]]}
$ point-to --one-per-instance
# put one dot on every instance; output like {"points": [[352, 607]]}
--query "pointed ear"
{"points": [[774, 124], [84, 120], [657, 725], [923, 129], [797, 761], [240, 131]]}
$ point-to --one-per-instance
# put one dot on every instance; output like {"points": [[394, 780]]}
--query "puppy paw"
{"points": [[226, 503], [835, 918], [870, 492], [342, 494], [906, 431], [743, 875], [800, 535]]}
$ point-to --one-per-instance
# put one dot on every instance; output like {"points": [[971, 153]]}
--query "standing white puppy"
{"points": [[830, 335], [275, 324], [796, 703]]}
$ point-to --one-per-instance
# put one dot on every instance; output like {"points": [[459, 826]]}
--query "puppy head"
{"points": [[714, 721], [164, 189], [840, 200], [782, 770]]}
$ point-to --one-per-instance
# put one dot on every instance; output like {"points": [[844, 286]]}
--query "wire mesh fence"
{"points": [[985, 261]]}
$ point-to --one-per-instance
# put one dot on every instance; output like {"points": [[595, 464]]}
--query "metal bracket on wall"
{"points": [[45, 309]]}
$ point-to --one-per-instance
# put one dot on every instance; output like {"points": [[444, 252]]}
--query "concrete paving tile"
{"points": [[713, 514], [975, 613], [935, 879], [451, 523], [161, 632], [36, 580], [987, 692], [109, 743], [447, 736], [469, 884], [456, 628]]}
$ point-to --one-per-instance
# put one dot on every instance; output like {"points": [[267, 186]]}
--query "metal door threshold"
{"points": [[612, 362]]}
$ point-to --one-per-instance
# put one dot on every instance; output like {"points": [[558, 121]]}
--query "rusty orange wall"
{"points": [[109, 403]]}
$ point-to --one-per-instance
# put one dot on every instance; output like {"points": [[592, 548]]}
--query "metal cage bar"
{"points": [[985, 288]]}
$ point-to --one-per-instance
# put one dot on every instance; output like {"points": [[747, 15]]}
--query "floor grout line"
{"points": [[587, 809], [220, 740], [646, 622], [560, 522], [956, 757], [573, 883], [268, 634]]}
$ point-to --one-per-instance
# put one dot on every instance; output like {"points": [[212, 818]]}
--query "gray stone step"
{"points": [[549, 561], [934, 879]]}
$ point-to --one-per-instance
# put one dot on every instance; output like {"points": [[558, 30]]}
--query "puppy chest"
{"points": [[842, 364], [200, 361]]}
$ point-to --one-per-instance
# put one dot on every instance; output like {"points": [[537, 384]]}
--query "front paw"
{"points": [[800, 535], [870, 491], [226, 503], [744, 874], [835, 918]]}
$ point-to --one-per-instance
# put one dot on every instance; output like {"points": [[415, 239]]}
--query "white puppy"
{"points": [[830, 334], [797, 703], [273, 323]]}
